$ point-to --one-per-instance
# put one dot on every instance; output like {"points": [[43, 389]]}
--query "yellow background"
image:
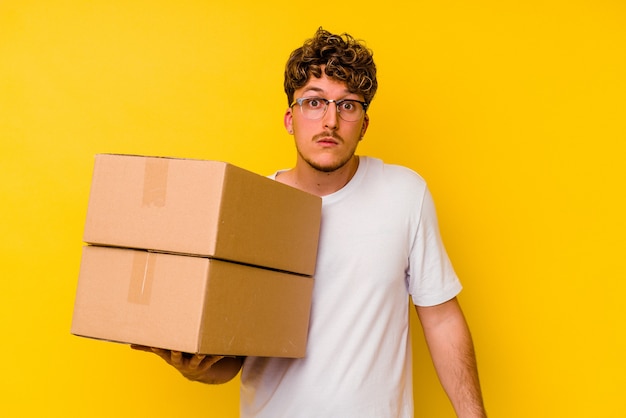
{"points": [[514, 111]]}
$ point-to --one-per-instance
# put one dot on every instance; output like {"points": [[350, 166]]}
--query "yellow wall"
{"points": [[514, 111]]}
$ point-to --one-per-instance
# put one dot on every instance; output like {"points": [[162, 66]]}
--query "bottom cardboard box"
{"points": [[191, 304]]}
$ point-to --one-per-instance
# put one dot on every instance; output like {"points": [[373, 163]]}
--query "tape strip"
{"points": [[155, 182], [141, 278]]}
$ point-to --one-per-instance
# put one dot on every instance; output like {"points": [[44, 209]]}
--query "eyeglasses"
{"points": [[315, 108]]}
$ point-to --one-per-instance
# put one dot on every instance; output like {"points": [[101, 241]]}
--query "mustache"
{"points": [[329, 134]]}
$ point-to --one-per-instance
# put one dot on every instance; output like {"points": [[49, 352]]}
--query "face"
{"points": [[329, 143]]}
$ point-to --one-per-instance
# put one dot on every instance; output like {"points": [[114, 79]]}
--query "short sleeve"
{"points": [[431, 277]]}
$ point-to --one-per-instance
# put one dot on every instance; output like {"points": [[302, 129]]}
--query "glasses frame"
{"points": [[337, 103]]}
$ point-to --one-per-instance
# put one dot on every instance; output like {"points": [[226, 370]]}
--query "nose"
{"points": [[331, 117]]}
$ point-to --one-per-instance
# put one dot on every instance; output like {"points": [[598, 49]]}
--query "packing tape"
{"points": [[142, 276], [155, 182]]}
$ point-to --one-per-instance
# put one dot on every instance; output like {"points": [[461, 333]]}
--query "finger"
{"points": [[214, 359], [176, 358], [140, 347], [164, 354], [196, 360]]}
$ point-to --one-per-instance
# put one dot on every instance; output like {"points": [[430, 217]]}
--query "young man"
{"points": [[379, 244]]}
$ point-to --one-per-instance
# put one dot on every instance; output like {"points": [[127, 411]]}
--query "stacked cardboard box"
{"points": [[196, 256]]}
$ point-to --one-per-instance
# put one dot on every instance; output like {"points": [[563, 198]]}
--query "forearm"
{"points": [[452, 351]]}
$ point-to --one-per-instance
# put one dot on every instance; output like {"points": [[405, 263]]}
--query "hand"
{"points": [[196, 367]]}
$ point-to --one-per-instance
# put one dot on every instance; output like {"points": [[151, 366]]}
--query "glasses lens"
{"points": [[313, 108], [350, 110]]}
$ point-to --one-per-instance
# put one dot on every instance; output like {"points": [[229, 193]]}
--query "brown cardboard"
{"points": [[191, 304], [205, 208]]}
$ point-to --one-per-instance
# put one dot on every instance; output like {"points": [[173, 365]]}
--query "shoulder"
{"points": [[394, 174]]}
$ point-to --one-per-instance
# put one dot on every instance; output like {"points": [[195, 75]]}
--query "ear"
{"points": [[366, 123], [288, 121]]}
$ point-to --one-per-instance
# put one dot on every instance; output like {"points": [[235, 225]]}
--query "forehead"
{"points": [[327, 87]]}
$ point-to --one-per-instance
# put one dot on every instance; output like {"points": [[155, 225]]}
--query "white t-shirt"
{"points": [[379, 243]]}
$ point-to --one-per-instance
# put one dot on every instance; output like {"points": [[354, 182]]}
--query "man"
{"points": [[379, 244]]}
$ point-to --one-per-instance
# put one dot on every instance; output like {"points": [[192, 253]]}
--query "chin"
{"points": [[328, 166]]}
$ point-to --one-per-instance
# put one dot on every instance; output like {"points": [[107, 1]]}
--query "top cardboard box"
{"points": [[203, 208]]}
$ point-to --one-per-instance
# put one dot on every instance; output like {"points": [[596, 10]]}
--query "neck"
{"points": [[319, 183]]}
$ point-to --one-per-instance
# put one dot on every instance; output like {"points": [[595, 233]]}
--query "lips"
{"points": [[327, 139]]}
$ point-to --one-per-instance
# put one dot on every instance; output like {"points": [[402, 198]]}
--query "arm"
{"points": [[452, 351], [200, 368]]}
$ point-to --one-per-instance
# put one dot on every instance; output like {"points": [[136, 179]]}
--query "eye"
{"points": [[348, 106], [314, 103]]}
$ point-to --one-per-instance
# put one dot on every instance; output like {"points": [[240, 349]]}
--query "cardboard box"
{"points": [[205, 208], [191, 304]]}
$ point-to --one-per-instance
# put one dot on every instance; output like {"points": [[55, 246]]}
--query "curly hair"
{"points": [[345, 59]]}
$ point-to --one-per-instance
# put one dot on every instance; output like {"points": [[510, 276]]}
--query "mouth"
{"points": [[327, 142], [327, 139]]}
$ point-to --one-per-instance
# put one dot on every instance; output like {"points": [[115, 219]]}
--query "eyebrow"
{"points": [[321, 90]]}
